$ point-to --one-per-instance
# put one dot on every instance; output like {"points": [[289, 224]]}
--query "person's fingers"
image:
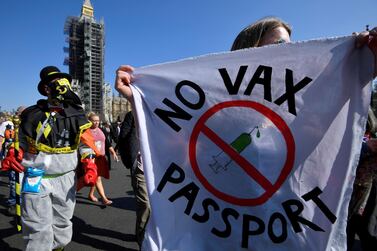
{"points": [[123, 76], [123, 79], [20, 155], [127, 68], [17, 167], [6, 165], [11, 152], [362, 38]]}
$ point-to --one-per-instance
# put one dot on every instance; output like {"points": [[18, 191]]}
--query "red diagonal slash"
{"points": [[241, 161]]}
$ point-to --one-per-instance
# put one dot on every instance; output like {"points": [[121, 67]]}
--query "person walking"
{"points": [[107, 131], [362, 210], [101, 144], [6, 140], [48, 152], [129, 150]]}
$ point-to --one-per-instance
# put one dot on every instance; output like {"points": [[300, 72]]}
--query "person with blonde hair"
{"points": [[100, 145]]}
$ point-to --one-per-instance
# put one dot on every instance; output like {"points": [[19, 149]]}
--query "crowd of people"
{"points": [[55, 144], [58, 143]]}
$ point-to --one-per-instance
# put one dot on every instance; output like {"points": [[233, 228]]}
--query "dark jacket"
{"points": [[71, 118], [128, 143], [108, 139]]}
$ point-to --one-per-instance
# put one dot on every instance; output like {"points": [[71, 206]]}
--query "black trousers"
{"points": [[365, 226]]}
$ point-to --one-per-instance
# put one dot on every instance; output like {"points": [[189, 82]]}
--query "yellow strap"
{"points": [[47, 129], [52, 176], [48, 149], [85, 155], [69, 149]]}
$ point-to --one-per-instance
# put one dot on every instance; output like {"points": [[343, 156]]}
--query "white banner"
{"points": [[254, 149]]}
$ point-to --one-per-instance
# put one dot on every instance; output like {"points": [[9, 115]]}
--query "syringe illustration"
{"points": [[222, 160]]}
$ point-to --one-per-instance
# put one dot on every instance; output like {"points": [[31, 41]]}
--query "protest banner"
{"points": [[253, 149]]}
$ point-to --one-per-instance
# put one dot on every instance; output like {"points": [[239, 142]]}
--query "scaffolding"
{"points": [[85, 59]]}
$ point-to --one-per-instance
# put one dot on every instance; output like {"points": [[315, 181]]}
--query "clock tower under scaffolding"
{"points": [[85, 59]]}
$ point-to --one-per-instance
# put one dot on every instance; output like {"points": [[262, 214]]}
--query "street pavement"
{"points": [[95, 227]]}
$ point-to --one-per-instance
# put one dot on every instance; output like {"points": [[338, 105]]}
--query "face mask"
{"points": [[59, 88], [61, 91]]}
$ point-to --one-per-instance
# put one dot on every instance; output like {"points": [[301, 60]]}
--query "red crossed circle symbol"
{"points": [[250, 170]]}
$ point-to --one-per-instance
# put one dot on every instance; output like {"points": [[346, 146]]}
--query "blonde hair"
{"points": [[90, 115], [253, 33]]}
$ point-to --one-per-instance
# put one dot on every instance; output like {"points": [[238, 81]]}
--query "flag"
{"points": [[254, 149]]}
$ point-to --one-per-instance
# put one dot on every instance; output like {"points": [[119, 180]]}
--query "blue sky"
{"points": [[147, 32]]}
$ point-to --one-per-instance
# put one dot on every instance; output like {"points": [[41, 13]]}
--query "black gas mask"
{"points": [[60, 91]]}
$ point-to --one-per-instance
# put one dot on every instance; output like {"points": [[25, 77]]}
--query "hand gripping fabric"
{"points": [[90, 169], [12, 160]]}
